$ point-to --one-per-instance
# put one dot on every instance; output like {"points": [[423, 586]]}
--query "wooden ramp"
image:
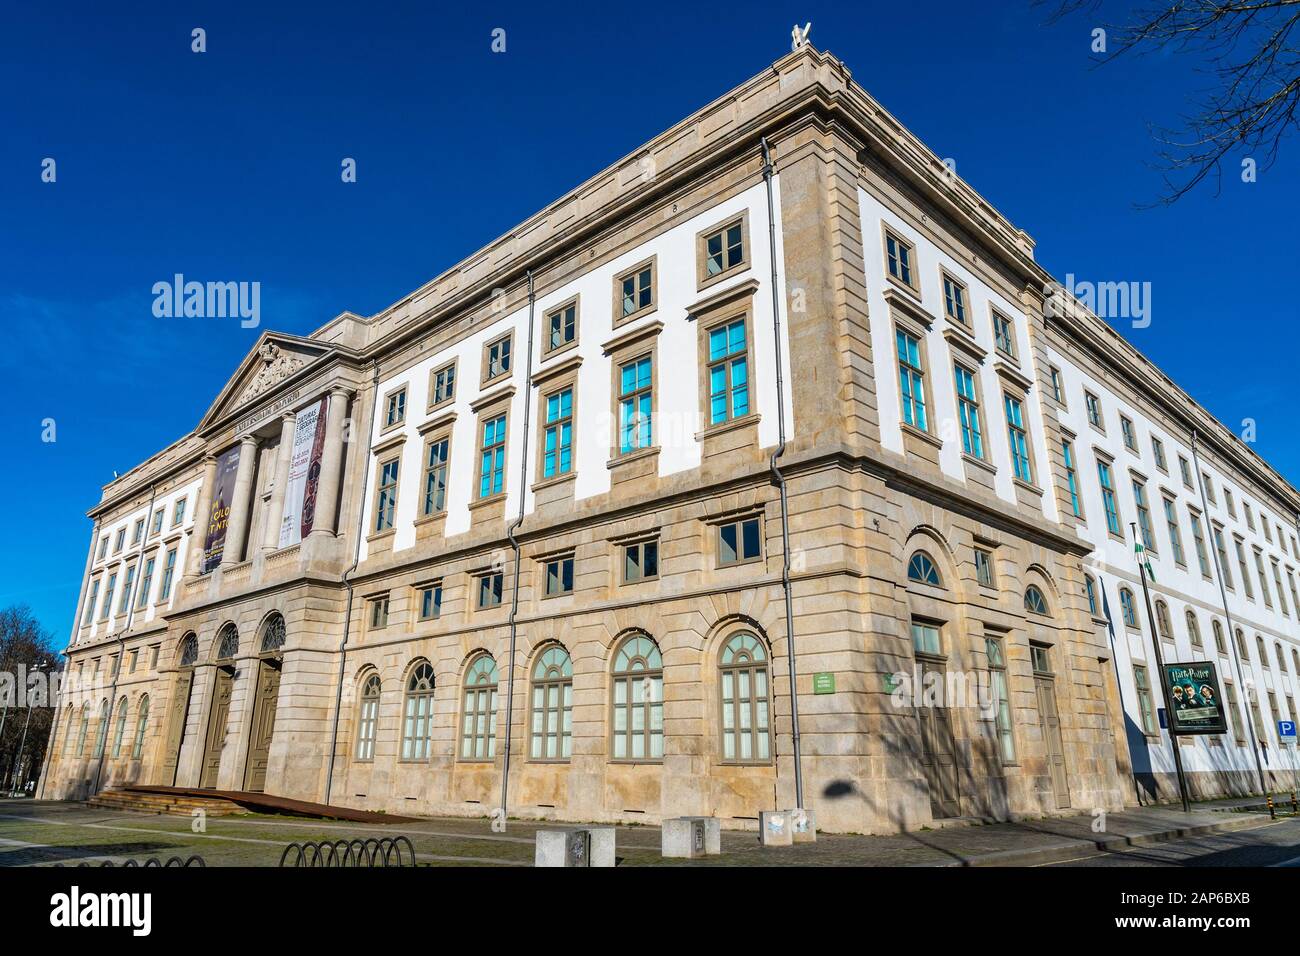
{"points": [[256, 802]]}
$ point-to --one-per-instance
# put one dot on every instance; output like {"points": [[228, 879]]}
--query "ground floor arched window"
{"points": [[141, 726], [479, 720], [368, 717], [417, 722], [552, 717], [638, 700], [744, 690]]}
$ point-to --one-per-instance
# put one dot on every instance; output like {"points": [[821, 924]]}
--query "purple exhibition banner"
{"points": [[214, 542]]}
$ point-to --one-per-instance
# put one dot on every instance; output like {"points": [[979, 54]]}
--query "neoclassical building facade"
{"points": [[764, 469]]}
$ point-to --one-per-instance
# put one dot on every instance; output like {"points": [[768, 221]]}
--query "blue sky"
{"points": [[225, 166]]}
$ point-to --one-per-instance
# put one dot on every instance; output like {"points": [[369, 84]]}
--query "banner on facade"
{"points": [[304, 474], [223, 489], [1197, 703]]}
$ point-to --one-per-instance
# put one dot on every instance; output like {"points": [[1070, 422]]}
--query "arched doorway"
{"points": [[219, 713], [187, 654], [270, 649]]}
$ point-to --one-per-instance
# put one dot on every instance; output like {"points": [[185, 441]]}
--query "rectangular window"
{"points": [[1158, 452], [1004, 336], [1000, 698], [430, 600], [89, 612], [1093, 405], [1250, 515], [138, 532], [968, 413], [724, 249], [395, 408], [178, 514], [146, 582], [954, 299], [1144, 516], [984, 567], [911, 379], [1222, 550], [107, 607], [557, 439], [1198, 539], [157, 526], [492, 457], [1071, 476], [634, 292], [103, 548], [1241, 565], [1263, 579], [169, 573], [559, 576], [1234, 708], [496, 359], [435, 476], [125, 601], [1146, 705], [1108, 499], [132, 661], [1040, 657], [1021, 466], [121, 540], [1058, 388], [640, 561], [898, 258], [442, 385], [1209, 488], [1281, 595], [386, 495], [925, 638], [740, 541], [561, 326], [1130, 436], [379, 612], [1175, 535], [636, 405], [728, 372], [1185, 471], [489, 589]]}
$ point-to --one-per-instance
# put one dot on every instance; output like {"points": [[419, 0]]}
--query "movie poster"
{"points": [[304, 474], [1197, 703], [214, 541]]}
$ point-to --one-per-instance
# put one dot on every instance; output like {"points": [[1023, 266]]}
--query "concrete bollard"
{"points": [[774, 828], [575, 846], [691, 837], [803, 826]]}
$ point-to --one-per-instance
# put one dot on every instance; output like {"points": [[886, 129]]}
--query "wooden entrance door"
{"points": [[259, 746], [938, 745], [217, 718], [177, 717], [1051, 723]]}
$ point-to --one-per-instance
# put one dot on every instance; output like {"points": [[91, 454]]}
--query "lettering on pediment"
{"points": [[276, 365]]}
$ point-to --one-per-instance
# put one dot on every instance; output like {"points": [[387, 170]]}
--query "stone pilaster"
{"points": [[202, 515], [241, 504], [274, 514], [331, 465]]}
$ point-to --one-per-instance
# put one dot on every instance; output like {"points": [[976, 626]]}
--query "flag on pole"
{"points": [[1143, 560]]}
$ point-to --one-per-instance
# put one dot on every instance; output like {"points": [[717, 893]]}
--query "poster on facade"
{"points": [[304, 474], [223, 489], [1197, 703]]}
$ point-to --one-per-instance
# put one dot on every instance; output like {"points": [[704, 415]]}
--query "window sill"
{"points": [[979, 463], [559, 350], [380, 535], [723, 427], [621, 321], [478, 503], [637, 454], [921, 435], [707, 282], [553, 481]]}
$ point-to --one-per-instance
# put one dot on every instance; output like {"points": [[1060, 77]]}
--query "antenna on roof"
{"points": [[799, 37]]}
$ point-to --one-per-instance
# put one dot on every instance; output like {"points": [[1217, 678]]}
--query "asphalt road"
{"points": [[1270, 844]]}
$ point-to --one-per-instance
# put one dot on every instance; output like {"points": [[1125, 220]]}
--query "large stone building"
{"points": [[578, 493]]}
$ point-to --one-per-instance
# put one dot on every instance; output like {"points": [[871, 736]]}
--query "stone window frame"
{"points": [[1012, 392], [128, 583], [554, 381], [627, 676], [1000, 639], [137, 531], [1070, 467], [1128, 433], [915, 330], [651, 263], [103, 548], [488, 409], [485, 379], [1131, 606], [434, 585], [629, 347], [638, 541], [168, 579], [409, 743], [1143, 691], [557, 558], [1220, 545], [178, 511], [390, 403], [366, 742], [434, 436], [435, 403], [981, 429], [1092, 403], [992, 581], [1142, 506], [478, 578], [1173, 527], [120, 541], [158, 520], [1185, 472], [148, 569], [478, 700], [913, 284], [1011, 353], [378, 611], [737, 519], [573, 302], [1193, 628], [1104, 460], [1158, 454], [946, 279], [751, 667], [702, 278], [387, 454], [1057, 387], [552, 718], [743, 310]]}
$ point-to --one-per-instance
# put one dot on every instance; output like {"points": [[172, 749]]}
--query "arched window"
{"points": [[1281, 657], [1295, 659], [227, 643], [120, 730], [1263, 651], [1193, 628], [82, 732], [743, 681], [69, 731], [1128, 608], [1090, 587], [418, 711], [368, 717], [1242, 649], [189, 652], [552, 705], [478, 732], [638, 719], [273, 634], [101, 731], [1163, 624], [921, 569], [1219, 644], [1034, 600], [141, 725]]}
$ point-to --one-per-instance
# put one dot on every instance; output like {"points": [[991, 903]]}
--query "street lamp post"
{"points": [[22, 743]]}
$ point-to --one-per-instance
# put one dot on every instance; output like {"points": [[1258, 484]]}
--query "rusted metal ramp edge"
{"points": [[269, 803]]}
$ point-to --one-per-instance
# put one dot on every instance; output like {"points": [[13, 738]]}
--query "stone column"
{"points": [[331, 465], [241, 503], [275, 513], [199, 526]]}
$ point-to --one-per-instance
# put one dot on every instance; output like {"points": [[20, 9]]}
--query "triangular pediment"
{"points": [[274, 360]]}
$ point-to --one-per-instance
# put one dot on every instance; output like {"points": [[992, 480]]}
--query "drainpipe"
{"points": [[514, 546], [1232, 629], [121, 637], [347, 583], [780, 481]]}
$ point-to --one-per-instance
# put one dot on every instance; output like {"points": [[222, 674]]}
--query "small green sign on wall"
{"points": [[824, 683]]}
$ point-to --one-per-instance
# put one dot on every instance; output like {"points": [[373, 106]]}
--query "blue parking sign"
{"points": [[1286, 728]]}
